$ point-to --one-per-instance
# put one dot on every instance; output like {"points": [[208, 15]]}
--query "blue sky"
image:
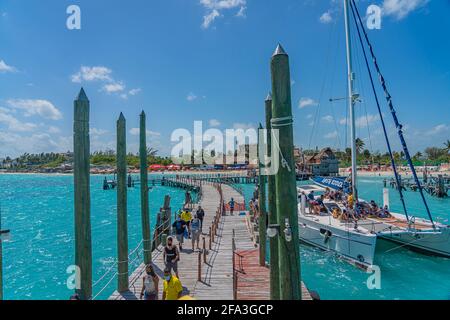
{"points": [[186, 60]]}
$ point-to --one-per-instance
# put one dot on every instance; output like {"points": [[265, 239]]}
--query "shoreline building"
{"points": [[319, 163]]}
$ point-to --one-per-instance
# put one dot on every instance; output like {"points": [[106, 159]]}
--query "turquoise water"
{"points": [[39, 211], [404, 274]]}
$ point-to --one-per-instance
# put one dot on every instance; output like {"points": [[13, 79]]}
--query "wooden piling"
{"points": [[82, 201], [145, 212], [122, 228], [285, 180], [272, 211], [262, 219]]}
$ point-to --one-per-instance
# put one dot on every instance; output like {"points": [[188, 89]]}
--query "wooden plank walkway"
{"points": [[217, 273], [253, 280]]}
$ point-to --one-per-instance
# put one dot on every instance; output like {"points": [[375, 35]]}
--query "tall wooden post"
{"points": [[145, 217], [82, 203], [262, 220], [285, 182], [272, 212], [122, 228]]}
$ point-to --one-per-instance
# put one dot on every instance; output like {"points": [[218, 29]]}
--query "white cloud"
{"points": [[244, 126], [13, 124], [327, 119], [97, 73], [331, 135], [53, 130], [326, 17], [214, 123], [4, 68], [401, 8], [363, 121], [134, 92], [307, 102], [209, 18], [39, 107], [113, 87], [14, 144], [215, 7], [136, 132], [97, 132], [309, 116], [191, 97], [441, 128], [241, 12]]}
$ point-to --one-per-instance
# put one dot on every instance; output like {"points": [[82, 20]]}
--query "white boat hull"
{"points": [[359, 249], [428, 242]]}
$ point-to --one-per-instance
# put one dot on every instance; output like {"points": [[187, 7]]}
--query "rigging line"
{"points": [[381, 116], [363, 92], [317, 115], [397, 124]]}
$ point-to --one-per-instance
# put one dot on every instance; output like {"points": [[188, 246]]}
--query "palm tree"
{"points": [[151, 152], [359, 145], [447, 146]]}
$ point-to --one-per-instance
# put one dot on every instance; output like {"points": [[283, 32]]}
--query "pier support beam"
{"points": [[145, 216], [285, 180], [272, 211], [82, 203], [122, 228], [262, 220]]}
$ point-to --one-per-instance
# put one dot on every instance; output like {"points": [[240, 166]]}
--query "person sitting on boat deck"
{"points": [[338, 196], [150, 284], [350, 200], [384, 213], [186, 216], [311, 196], [344, 216], [319, 206], [327, 192], [337, 213], [179, 226]]}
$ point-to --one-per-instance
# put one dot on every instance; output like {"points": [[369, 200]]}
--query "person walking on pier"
{"points": [[172, 286], [200, 215], [180, 226], [195, 229], [231, 204], [186, 216], [171, 256], [150, 284]]}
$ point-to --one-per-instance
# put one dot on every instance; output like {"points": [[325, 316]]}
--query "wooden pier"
{"points": [[208, 274]]}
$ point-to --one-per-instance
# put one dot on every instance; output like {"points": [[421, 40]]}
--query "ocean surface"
{"points": [[39, 211], [404, 274]]}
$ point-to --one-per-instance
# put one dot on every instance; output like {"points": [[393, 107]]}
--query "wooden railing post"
{"points": [[199, 278], [210, 238], [204, 250]]}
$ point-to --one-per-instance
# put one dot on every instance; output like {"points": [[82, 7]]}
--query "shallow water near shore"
{"points": [[405, 275]]}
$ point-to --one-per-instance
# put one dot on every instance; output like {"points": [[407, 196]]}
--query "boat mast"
{"points": [[351, 97]]}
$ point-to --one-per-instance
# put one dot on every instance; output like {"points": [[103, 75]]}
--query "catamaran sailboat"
{"points": [[355, 239]]}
